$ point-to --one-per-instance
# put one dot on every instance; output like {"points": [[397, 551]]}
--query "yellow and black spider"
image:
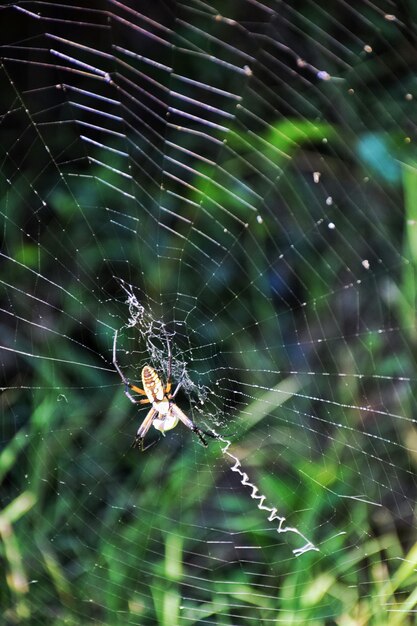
{"points": [[164, 413]]}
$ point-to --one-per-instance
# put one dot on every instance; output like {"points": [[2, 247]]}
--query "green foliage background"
{"points": [[79, 540]]}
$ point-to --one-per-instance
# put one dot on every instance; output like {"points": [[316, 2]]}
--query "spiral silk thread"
{"points": [[255, 495]]}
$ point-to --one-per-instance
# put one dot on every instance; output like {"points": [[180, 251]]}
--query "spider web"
{"points": [[234, 183]]}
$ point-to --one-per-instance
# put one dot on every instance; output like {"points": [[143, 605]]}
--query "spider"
{"points": [[164, 414]]}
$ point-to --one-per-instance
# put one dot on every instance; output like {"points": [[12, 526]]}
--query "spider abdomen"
{"points": [[152, 384]]}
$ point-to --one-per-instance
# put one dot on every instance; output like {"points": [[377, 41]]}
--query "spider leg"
{"points": [[143, 429], [178, 387], [115, 363], [142, 448], [131, 398], [137, 390], [176, 411], [127, 384], [169, 372]]}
